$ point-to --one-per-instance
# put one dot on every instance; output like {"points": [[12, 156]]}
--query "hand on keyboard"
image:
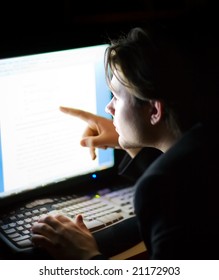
{"points": [[108, 208], [64, 239]]}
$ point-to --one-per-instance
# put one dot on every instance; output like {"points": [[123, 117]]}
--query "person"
{"points": [[160, 102]]}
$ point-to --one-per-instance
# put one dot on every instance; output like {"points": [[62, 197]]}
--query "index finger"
{"points": [[83, 115]]}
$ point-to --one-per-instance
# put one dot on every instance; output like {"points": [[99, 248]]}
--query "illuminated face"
{"points": [[131, 120]]}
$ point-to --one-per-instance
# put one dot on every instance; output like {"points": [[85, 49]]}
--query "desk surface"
{"points": [[138, 251]]}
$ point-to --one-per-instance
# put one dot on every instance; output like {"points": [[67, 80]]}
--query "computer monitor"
{"points": [[40, 145]]}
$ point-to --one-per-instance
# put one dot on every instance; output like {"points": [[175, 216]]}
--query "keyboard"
{"points": [[100, 210]]}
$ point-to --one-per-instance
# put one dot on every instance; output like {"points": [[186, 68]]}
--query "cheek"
{"points": [[125, 120], [121, 114], [135, 125]]}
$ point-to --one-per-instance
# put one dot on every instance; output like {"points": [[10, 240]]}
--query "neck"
{"points": [[167, 139]]}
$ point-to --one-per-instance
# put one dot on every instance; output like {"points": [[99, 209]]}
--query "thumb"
{"points": [[90, 141], [80, 223], [94, 141]]}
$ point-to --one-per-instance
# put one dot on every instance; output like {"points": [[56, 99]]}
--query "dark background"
{"points": [[32, 26], [46, 25]]}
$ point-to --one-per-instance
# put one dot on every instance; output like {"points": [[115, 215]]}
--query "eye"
{"points": [[114, 97]]}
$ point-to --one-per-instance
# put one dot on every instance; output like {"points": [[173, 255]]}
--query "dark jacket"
{"points": [[176, 200]]}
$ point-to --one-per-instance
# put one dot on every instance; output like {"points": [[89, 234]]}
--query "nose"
{"points": [[110, 108]]}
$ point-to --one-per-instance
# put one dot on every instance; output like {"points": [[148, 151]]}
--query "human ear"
{"points": [[156, 112]]}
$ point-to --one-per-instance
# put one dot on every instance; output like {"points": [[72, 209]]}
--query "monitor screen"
{"points": [[40, 145]]}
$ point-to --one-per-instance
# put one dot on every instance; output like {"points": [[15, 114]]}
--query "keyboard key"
{"points": [[98, 213], [94, 225], [25, 243], [21, 237]]}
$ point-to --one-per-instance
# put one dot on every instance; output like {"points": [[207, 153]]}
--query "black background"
{"points": [[32, 26]]}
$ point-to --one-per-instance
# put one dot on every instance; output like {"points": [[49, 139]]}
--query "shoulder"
{"points": [[181, 156], [176, 171]]}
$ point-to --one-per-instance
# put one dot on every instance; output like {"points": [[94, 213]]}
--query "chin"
{"points": [[122, 143], [125, 145]]}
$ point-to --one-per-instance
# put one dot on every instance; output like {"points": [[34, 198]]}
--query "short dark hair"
{"points": [[159, 66]]}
